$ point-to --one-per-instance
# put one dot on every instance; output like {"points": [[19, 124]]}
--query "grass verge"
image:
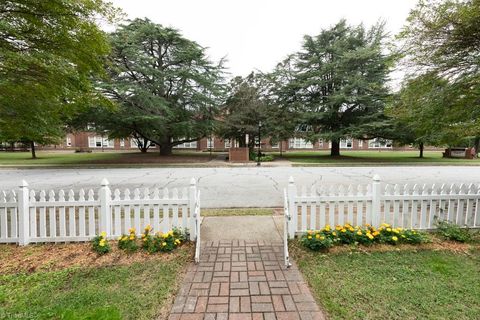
{"points": [[394, 284], [237, 212], [373, 158], [135, 288]]}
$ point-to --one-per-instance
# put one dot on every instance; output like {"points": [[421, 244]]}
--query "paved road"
{"points": [[233, 187]]}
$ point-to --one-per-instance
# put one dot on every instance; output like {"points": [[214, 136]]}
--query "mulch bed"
{"points": [[50, 257]]}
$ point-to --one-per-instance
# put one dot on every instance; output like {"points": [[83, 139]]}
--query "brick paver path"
{"points": [[243, 279]]}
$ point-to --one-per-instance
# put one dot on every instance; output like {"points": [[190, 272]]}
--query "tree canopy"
{"points": [[49, 50], [441, 45], [339, 82], [166, 88]]}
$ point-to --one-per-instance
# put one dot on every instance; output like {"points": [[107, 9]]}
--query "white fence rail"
{"points": [[27, 216], [407, 206]]}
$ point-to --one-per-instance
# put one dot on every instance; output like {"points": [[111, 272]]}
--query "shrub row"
{"points": [[366, 235], [148, 241]]}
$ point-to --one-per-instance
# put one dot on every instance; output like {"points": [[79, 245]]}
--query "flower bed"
{"points": [[365, 235], [148, 241]]}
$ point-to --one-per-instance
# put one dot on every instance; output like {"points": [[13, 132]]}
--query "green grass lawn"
{"points": [[70, 158], [141, 290], [373, 157], [424, 284]]}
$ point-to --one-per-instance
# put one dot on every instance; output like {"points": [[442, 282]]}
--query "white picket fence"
{"points": [[27, 216], [407, 206]]}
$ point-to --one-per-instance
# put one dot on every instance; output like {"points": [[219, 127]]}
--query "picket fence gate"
{"points": [[407, 206], [27, 216]]}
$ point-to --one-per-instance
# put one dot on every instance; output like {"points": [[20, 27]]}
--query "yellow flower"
{"points": [[309, 237], [165, 235], [103, 234], [317, 236], [343, 230], [327, 227], [338, 227], [359, 233], [394, 238], [367, 225], [102, 243], [120, 238], [403, 236], [389, 229], [351, 229], [177, 241], [148, 227], [369, 235], [143, 236], [164, 244], [376, 233], [322, 238], [386, 225], [132, 237], [334, 233], [396, 231]]}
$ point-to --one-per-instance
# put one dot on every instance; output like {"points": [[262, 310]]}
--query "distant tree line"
{"points": [[59, 72]]}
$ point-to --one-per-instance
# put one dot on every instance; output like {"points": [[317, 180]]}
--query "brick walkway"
{"points": [[243, 279]]}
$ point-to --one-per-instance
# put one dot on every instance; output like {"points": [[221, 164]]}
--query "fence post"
{"points": [[292, 209], [192, 199], [23, 214], [376, 194], [105, 212]]}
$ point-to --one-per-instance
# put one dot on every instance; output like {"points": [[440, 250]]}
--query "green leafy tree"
{"points": [[244, 111], [418, 110], [49, 50], [166, 89], [442, 40], [340, 82]]}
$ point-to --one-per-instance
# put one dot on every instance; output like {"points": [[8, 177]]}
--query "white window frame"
{"points": [[376, 144], [300, 143], [69, 142], [187, 145], [275, 145], [344, 143], [99, 142], [228, 143], [210, 143], [360, 143]]}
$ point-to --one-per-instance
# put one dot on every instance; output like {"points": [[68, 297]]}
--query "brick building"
{"points": [[94, 141]]}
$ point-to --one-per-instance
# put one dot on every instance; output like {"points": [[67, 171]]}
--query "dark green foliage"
{"points": [[339, 83], [166, 89], [49, 50], [453, 231]]}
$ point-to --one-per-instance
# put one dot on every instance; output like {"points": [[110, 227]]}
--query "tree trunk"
{"points": [[335, 150], [476, 144], [420, 147], [166, 150], [144, 148], [32, 147]]}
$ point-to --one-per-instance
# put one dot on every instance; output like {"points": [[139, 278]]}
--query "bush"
{"points": [[317, 241], [128, 242], [168, 241], [100, 244], [452, 231], [366, 235]]}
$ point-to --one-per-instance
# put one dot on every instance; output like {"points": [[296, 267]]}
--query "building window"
{"points": [[210, 143], [275, 145], [360, 143], [380, 144], [122, 143], [228, 144], [299, 143], [346, 143], [69, 142], [99, 142], [187, 145]]}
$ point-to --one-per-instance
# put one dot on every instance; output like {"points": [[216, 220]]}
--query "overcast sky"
{"points": [[257, 34]]}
